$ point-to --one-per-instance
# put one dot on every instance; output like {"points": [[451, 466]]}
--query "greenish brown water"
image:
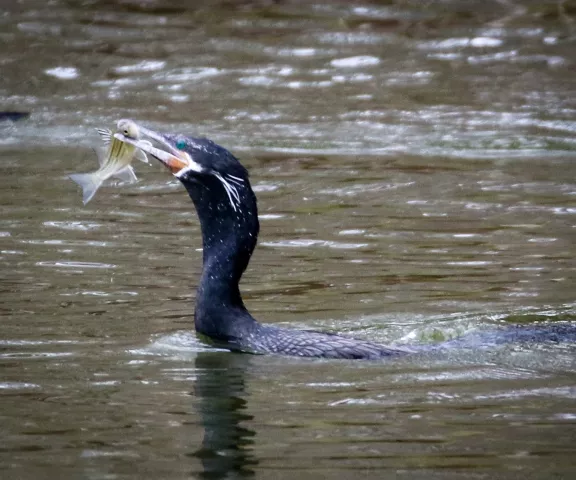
{"points": [[415, 171]]}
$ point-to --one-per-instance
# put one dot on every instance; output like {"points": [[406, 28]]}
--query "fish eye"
{"points": [[180, 144]]}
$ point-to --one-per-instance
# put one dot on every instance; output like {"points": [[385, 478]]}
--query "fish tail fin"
{"points": [[89, 183]]}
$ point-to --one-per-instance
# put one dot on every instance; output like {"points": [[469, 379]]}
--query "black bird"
{"points": [[218, 185]]}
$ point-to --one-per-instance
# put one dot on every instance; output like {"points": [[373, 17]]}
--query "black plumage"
{"points": [[220, 189]]}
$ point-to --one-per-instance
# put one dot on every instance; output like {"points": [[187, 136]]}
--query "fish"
{"points": [[115, 162]]}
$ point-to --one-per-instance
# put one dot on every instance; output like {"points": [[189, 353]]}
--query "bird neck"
{"points": [[229, 235]]}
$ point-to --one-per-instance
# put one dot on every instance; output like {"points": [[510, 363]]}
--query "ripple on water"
{"points": [[140, 67], [298, 52], [266, 187], [362, 188], [184, 343], [25, 355], [461, 42], [69, 243], [120, 83], [17, 343], [109, 454], [544, 392], [72, 225], [187, 74], [305, 243], [99, 293], [63, 73], [355, 62], [75, 265], [258, 81], [18, 386], [295, 84], [350, 38]]}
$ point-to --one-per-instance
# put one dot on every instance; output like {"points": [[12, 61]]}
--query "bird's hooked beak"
{"points": [[177, 161]]}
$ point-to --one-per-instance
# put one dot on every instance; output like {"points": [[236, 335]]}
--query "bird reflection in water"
{"points": [[219, 387]]}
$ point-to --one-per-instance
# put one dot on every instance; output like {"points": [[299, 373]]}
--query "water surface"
{"points": [[415, 172]]}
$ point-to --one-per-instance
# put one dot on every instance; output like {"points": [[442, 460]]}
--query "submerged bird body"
{"points": [[227, 209]]}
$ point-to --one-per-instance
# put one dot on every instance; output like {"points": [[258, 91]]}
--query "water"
{"points": [[415, 173]]}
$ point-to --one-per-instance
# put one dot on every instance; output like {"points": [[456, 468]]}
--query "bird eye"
{"points": [[180, 144], [127, 133]]}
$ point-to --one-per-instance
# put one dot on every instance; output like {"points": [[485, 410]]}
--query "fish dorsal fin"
{"points": [[127, 175], [105, 134], [101, 155]]}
